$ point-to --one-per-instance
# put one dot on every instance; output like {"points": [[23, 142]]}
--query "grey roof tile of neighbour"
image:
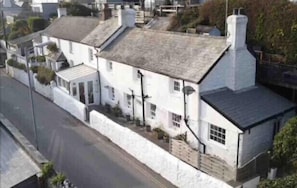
{"points": [[248, 108], [73, 28], [102, 32], [177, 55], [27, 38], [15, 165]]}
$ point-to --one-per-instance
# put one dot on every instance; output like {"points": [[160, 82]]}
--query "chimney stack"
{"points": [[61, 12], [106, 12]]}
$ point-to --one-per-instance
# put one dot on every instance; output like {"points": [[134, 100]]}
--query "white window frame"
{"points": [[128, 99], [111, 93], [217, 134], [176, 120], [91, 58], [176, 89], [109, 65], [152, 110], [70, 47]]}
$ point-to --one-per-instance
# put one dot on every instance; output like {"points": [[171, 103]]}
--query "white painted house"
{"points": [[178, 82]]}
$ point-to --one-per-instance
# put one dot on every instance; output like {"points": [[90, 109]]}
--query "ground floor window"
{"points": [[217, 134], [176, 120], [111, 93], [153, 111], [128, 99]]}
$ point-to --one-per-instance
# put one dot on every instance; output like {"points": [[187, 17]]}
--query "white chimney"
{"points": [[126, 17], [237, 24], [242, 64], [61, 12]]}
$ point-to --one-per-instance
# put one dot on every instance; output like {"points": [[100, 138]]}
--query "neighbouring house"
{"points": [[201, 86], [208, 30], [47, 8], [16, 48], [17, 168]]}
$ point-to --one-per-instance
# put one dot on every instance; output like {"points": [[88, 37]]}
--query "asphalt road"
{"points": [[84, 156]]}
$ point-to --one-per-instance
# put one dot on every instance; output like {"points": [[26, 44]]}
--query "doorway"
{"points": [[82, 97]]}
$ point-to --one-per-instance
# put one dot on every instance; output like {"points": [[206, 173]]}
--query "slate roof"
{"points": [[178, 55], [76, 72], [102, 32], [73, 28], [57, 56], [248, 108], [26, 38], [15, 165]]}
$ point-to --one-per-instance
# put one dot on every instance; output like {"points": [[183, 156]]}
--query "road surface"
{"points": [[88, 159]]}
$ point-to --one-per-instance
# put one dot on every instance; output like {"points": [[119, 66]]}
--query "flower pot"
{"points": [[137, 122]]}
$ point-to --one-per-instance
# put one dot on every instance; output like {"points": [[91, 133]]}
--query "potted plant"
{"points": [[148, 128], [166, 137], [159, 133], [137, 122], [107, 107], [117, 111]]}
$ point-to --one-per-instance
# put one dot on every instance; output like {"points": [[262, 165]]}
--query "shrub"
{"points": [[45, 75], [52, 48], [17, 65], [36, 23], [58, 179], [47, 170], [34, 69], [117, 111], [160, 133]]}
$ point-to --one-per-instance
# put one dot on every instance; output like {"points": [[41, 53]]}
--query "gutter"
{"points": [[186, 122], [237, 155]]}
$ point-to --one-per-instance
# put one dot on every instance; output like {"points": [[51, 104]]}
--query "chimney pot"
{"points": [[235, 11], [241, 11]]}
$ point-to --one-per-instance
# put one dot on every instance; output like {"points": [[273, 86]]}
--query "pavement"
{"points": [[87, 158]]}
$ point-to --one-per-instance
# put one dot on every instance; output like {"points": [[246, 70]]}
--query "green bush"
{"points": [[34, 69], [286, 182], [117, 111], [36, 23], [47, 170], [58, 179], [45, 75], [17, 65], [53, 48], [160, 133]]}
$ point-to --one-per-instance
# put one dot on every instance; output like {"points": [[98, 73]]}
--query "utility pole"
{"points": [[31, 99]]}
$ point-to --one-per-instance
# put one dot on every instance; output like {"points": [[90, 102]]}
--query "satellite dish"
{"points": [[188, 90]]}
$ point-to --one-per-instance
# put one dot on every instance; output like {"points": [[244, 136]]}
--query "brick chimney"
{"points": [[106, 13]]}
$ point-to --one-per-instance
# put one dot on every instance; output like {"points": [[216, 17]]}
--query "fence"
{"points": [[68, 103], [19, 75], [156, 158], [211, 165]]}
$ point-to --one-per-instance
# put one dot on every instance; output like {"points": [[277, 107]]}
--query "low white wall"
{"points": [[18, 74], [159, 160], [45, 90], [69, 104]]}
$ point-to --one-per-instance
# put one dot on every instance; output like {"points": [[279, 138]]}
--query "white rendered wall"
{"points": [[68, 103], [159, 160], [227, 152], [45, 90], [19, 75], [259, 139], [160, 91]]}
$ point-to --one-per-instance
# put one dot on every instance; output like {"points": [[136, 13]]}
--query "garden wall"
{"points": [[68, 103], [45, 90], [19, 75], [159, 160]]}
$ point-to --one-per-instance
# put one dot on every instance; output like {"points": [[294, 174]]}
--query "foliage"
{"points": [[34, 69], [45, 75], [47, 170], [184, 19], [286, 182], [117, 111], [39, 58], [160, 133], [58, 179], [16, 64], [52, 48], [279, 37], [76, 9], [285, 143], [36, 23], [18, 29]]}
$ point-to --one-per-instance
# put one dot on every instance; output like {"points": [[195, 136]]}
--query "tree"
{"points": [[285, 143], [18, 29], [286, 182], [75, 9]]}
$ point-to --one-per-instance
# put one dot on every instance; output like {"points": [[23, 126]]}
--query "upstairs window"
{"points": [[217, 134], [111, 93], [128, 100], [153, 111], [176, 86], [90, 54]]}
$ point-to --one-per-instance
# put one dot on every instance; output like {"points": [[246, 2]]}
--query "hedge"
{"points": [[17, 65], [45, 75]]}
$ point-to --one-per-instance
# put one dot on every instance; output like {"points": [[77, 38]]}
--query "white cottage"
{"points": [[203, 86]]}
